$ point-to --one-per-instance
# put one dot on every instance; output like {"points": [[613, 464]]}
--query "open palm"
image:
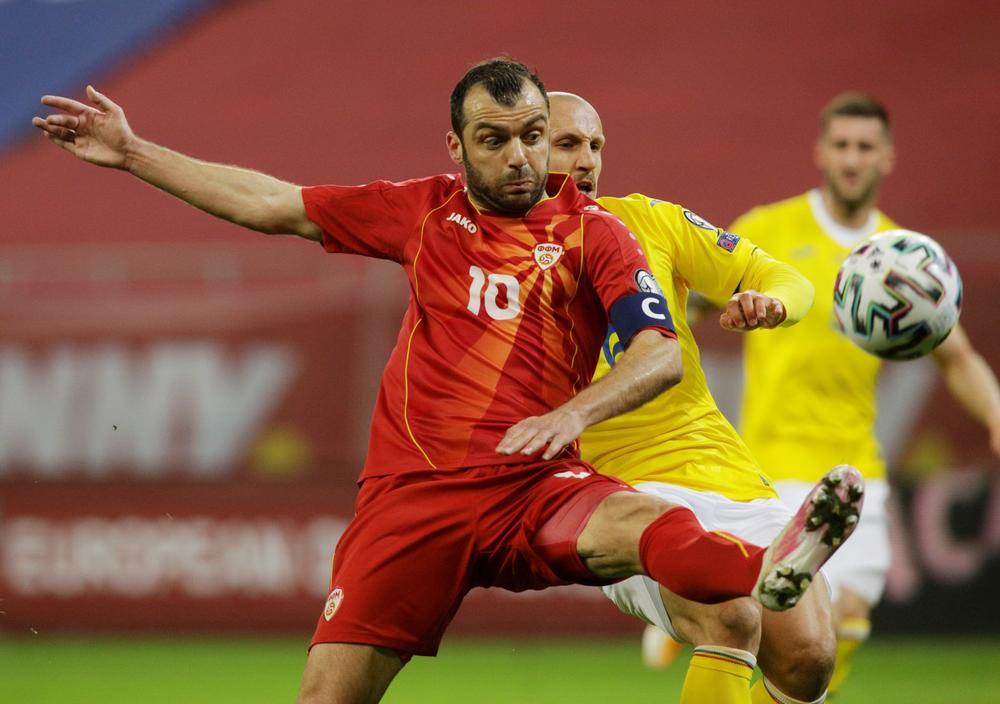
{"points": [[99, 135]]}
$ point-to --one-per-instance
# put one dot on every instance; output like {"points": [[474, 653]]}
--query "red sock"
{"points": [[694, 564]]}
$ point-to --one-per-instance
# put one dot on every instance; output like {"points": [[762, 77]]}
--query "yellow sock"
{"points": [[718, 675], [851, 633]]}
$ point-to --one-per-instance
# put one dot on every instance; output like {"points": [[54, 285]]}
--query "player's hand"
{"points": [[556, 430], [750, 310], [98, 134]]}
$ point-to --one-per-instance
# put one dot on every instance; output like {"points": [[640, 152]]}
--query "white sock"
{"points": [[783, 698]]}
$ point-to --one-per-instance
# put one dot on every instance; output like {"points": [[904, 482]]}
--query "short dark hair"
{"points": [[853, 104], [504, 79]]}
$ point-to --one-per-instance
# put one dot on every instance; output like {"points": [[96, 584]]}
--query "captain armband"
{"points": [[638, 311]]}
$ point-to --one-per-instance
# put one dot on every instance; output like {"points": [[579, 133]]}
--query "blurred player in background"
{"points": [[680, 447], [809, 396], [506, 320]]}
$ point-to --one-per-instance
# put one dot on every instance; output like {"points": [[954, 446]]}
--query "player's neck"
{"points": [[482, 206], [849, 215]]}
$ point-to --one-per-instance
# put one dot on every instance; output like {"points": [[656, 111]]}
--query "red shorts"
{"points": [[420, 541]]}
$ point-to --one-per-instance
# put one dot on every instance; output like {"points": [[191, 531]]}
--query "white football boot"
{"points": [[823, 522]]}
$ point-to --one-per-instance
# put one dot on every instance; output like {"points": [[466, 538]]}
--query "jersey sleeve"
{"points": [[711, 260], [623, 280], [779, 280], [373, 220]]}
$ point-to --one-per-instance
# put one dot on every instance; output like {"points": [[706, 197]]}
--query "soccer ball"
{"points": [[897, 295]]}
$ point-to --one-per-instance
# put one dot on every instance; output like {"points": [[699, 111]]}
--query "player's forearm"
{"points": [[242, 196], [650, 366], [781, 281], [973, 384]]}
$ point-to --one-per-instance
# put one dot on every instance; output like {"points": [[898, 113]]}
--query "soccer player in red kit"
{"points": [[473, 477]]}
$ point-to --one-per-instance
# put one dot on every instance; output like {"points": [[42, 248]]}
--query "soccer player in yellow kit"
{"points": [[809, 397], [681, 448]]}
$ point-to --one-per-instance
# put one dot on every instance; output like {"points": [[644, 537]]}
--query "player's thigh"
{"points": [[400, 570], [609, 541], [345, 673], [556, 537]]}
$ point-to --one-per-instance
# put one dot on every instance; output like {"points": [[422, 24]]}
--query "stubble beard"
{"points": [[490, 195], [853, 203]]}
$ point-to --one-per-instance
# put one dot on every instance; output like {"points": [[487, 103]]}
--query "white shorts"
{"points": [[862, 563], [758, 521]]}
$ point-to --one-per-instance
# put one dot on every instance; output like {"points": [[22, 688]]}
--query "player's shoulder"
{"points": [[642, 209], [426, 188], [770, 223], [784, 208], [886, 223], [638, 204]]}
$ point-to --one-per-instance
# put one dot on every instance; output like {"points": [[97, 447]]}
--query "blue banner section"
{"points": [[58, 46]]}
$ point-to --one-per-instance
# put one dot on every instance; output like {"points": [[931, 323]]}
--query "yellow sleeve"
{"points": [[778, 280], [711, 260]]}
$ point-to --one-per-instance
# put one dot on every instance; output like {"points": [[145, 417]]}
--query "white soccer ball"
{"points": [[897, 295]]}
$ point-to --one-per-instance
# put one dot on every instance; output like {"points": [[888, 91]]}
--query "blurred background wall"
{"points": [[184, 405]]}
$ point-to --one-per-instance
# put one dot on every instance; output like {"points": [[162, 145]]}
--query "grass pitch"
{"points": [[40, 669]]}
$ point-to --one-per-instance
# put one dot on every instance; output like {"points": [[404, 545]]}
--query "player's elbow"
{"points": [[281, 212], [673, 375], [671, 368]]}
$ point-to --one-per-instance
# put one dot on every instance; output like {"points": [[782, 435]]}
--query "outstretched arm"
{"points": [[100, 134], [771, 293], [971, 382], [650, 366]]}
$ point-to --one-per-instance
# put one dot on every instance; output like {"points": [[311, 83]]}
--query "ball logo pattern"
{"points": [[897, 295]]}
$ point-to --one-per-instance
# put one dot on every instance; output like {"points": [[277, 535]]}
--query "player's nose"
{"points": [[517, 155]]}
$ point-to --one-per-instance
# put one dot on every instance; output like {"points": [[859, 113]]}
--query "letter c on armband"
{"points": [[647, 308], [633, 312]]}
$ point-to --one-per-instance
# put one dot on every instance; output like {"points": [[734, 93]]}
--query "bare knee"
{"points": [[805, 671], [799, 648], [609, 543]]}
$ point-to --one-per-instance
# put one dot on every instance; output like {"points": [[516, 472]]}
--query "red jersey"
{"points": [[506, 317]]}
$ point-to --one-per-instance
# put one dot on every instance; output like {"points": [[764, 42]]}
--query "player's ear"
{"points": [[889, 162], [818, 153], [454, 147]]}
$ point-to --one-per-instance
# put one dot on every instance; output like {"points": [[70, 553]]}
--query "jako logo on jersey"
{"points": [[699, 221], [728, 241], [547, 254], [571, 475], [333, 603], [464, 222], [647, 282]]}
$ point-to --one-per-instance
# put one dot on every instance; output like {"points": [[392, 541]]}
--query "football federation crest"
{"points": [[333, 603], [728, 241], [547, 254]]}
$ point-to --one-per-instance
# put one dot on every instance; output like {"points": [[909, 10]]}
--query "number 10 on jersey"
{"points": [[490, 299]]}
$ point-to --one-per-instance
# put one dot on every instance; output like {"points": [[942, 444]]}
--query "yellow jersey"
{"points": [[681, 437], [809, 393]]}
